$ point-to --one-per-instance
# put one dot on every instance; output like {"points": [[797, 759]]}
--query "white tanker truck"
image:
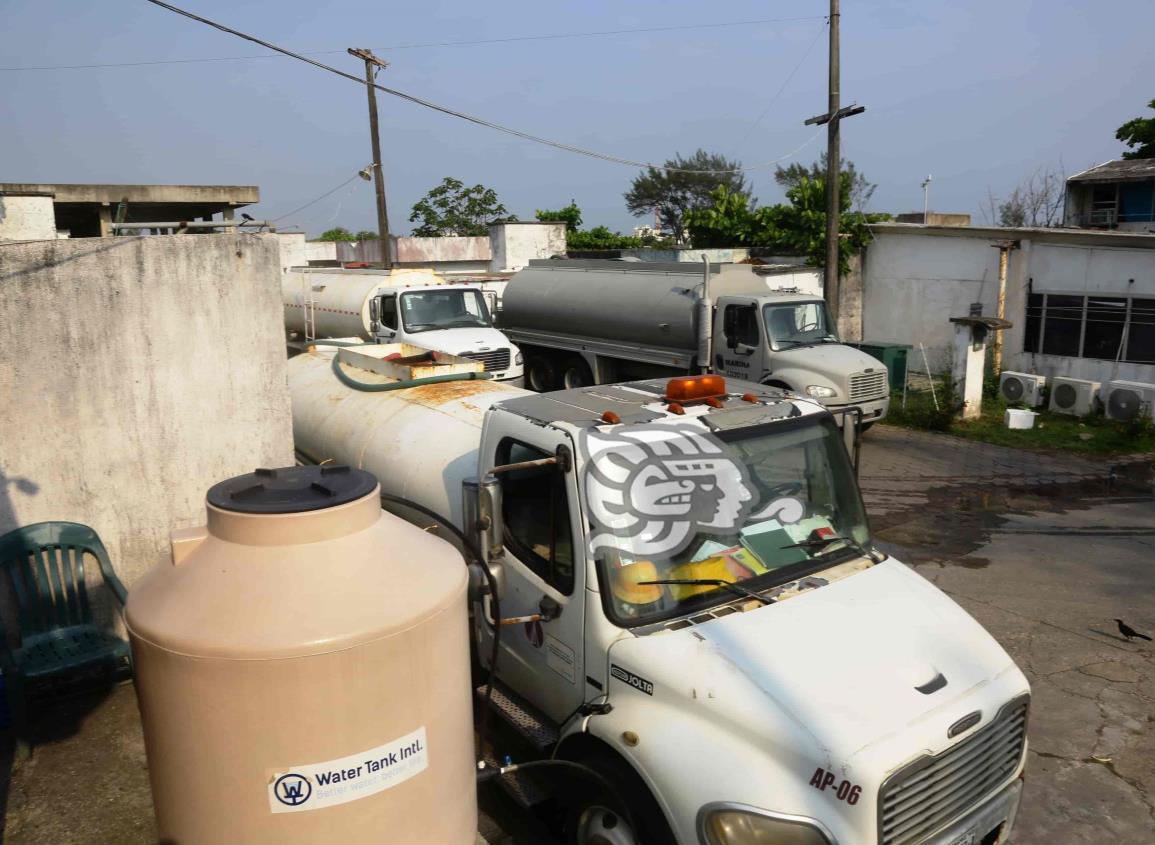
{"points": [[697, 610], [408, 306], [596, 322]]}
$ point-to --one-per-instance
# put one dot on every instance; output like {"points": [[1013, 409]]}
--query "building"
{"points": [[1114, 195], [34, 211], [1081, 303], [934, 218]]}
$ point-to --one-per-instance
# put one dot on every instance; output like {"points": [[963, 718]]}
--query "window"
{"points": [[389, 312], [536, 516], [444, 309], [1107, 328], [799, 324], [743, 323]]}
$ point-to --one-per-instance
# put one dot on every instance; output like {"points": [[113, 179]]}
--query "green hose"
{"points": [[349, 381]]}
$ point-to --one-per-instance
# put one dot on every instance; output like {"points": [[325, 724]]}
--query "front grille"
{"points": [[865, 386], [919, 799], [495, 360]]}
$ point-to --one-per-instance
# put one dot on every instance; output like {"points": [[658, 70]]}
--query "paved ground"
{"points": [[1043, 550]]}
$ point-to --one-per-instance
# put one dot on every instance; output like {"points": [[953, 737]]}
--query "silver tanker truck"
{"points": [[596, 322]]}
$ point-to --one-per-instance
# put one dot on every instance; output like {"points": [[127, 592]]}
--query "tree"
{"points": [[571, 215], [861, 189], [682, 185], [453, 209], [339, 233], [1139, 132], [367, 235], [1037, 201], [798, 228]]}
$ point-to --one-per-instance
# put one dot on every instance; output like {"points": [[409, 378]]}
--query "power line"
{"points": [[517, 133], [436, 44], [318, 199], [785, 83]]}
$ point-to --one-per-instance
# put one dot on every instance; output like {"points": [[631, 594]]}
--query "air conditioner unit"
{"points": [[1022, 388], [1126, 400], [1075, 396]]}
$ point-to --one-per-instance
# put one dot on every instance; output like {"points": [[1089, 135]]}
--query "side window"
{"points": [[536, 516], [744, 323], [389, 312]]}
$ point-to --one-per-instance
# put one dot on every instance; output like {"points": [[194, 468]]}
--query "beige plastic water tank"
{"points": [[303, 670]]}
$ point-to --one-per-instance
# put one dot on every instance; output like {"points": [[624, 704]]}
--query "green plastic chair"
{"points": [[46, 565]]}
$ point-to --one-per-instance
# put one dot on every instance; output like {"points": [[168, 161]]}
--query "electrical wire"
{"points": [[317, 200], [774, 99], [471, 118], [435, 44]]}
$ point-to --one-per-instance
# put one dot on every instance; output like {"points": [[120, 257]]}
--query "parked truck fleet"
{"points": [[694, 605], [597, 322]]}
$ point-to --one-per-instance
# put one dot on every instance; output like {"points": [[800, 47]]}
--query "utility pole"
{"points": [[832, 119], [371, 64], [925, 200]]}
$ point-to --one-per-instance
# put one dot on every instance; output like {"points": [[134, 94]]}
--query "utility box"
{"points": [[893, 355], [303, 670]]}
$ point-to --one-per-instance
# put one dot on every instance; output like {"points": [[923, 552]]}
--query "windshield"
{"points": [[455, 308], [790, 507], [798, 324]]}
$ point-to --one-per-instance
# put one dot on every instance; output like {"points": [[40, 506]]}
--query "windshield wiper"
{"points": [[823, 542], [737, 589]]}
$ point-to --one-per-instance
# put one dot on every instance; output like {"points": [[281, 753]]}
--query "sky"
{"points": [[976, 94]]}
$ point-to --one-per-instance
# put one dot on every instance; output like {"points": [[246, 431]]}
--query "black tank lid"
{"points": [[292, 489]]}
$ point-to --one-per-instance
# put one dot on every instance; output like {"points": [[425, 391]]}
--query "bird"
{"points": [[246, 216], [1129, 632]]}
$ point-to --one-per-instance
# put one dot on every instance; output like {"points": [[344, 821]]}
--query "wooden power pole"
{"points": [[832, 119], [371, 65]]}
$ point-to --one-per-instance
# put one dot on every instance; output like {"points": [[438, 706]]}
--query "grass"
{"points": [[1093, 435]]}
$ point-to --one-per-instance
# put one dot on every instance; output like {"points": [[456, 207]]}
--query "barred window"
{"points": [[1110, 328]]}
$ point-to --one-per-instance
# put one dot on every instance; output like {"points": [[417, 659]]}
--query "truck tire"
{"points": [[593, 818], [576, 373], [540, 373]]}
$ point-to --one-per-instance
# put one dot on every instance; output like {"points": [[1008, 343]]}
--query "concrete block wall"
{"points": [[27, 217], [514, 245], [135, 373]]}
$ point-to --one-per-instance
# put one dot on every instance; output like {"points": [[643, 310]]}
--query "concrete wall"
{"points": [[514, 245], [28, 217], [1061, 269], [914, 283], [137, 372], [320, 251]]}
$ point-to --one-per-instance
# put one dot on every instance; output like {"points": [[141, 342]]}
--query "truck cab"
{"points": [[694, 607], [449, 318], [788, 340]]}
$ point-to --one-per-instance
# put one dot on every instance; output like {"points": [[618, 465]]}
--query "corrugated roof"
{"points": [[1122, 170]]}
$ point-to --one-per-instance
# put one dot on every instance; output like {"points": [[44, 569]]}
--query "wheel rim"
{"points": [[602, 826], [537, 378], [574, 377]]}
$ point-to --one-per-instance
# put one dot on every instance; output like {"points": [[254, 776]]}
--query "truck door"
{"points": [[387, 333], [740, 351], [543, 661]]}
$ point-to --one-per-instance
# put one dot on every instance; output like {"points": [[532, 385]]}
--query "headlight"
{"points": [[820, 392], [741, 827], [517, 359]]}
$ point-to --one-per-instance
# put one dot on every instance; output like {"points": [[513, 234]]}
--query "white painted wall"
{"points": [[320, 251], [514, 245], [27, 218], [913, 284], [135, 373], [293, 250], [1057, 268]]}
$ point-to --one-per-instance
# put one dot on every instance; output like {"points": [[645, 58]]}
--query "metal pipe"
{"points": [[192, 224], [705, 319]]}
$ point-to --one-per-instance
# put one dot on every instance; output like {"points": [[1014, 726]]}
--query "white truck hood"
{"points": [[832, 360], [828, 673], [456, 341]]}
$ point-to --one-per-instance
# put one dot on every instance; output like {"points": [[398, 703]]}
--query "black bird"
{"points": [[245, 216], [1129, 632]]}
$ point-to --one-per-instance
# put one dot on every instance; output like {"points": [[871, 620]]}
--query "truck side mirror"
{"points": [[482, 521], [374, 314]]}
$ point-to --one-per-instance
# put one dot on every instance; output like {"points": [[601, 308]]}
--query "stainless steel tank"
{"points": [[337, 302], [303, 670]]}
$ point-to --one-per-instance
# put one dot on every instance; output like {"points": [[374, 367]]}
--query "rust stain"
{"points": [[432, 395]]}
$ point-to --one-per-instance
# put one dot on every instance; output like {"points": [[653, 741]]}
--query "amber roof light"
{"points": [[693, 388]]}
